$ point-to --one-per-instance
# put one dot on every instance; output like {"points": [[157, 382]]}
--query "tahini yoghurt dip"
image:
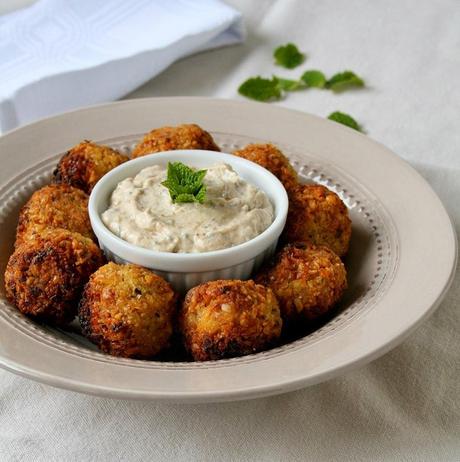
{"points": [[141, 212]]}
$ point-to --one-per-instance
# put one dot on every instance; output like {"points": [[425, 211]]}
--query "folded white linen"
{"points": [[61, 54]]}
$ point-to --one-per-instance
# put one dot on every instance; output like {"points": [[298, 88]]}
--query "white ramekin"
{"points": [[186, 270]]}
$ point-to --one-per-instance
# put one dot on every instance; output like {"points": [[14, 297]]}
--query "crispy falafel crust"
{"points": [[271, 158], [128, 311], [308, 281], [186, 136], [317, 215], [227, 318], [85, 164], [45, 275], [54, 206]]}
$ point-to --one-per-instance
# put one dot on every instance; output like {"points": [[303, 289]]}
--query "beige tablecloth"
{"points": [[404, 406]]}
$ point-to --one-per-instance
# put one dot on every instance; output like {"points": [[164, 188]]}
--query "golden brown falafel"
{"points": [[307, 280], [54, 206], [226, 318], [271, 158], [85, 164], [127, 310], [317, 215], [45, 275], [186, 136]]}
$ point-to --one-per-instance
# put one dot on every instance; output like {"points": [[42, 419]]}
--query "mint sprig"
{"points": [[263, 89], [345, 119], [288, 56], [185, 184]]}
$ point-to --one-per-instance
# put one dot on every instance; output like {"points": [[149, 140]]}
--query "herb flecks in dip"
{"points": [[141, 212]]}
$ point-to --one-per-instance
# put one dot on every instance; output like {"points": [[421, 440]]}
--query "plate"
{"points": [[401, 262]]}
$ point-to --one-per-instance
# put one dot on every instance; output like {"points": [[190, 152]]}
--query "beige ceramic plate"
{"points": [[400, 265]]}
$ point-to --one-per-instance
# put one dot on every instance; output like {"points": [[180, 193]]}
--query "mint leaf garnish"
{"points": [[185, 184], [260, 89], [288, 56], [314, 78], [343, 80], [344, 119]]}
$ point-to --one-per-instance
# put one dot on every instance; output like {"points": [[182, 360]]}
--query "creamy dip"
{"points": [[141, 212]]}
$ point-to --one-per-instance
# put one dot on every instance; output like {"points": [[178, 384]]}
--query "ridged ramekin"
{"points": [[186, 270]]}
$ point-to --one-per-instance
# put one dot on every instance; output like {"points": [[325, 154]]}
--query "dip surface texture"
{"points": [[141, 212]]}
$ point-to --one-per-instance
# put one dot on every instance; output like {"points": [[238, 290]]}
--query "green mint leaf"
{"points": [[260, 89], [288, 56], [184, 197], [287, 84], [201, 195], [314, 78], [185, 184], [344, 119], [343, 80]]}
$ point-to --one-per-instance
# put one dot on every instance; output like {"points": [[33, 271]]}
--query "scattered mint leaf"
{"points": [[344, 119], [288, 84], [260, 89], [343, 80], [185, 184], [288, 56], [314, 78]]}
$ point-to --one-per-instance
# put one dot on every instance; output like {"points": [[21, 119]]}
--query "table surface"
{"points": [[404, 406]]}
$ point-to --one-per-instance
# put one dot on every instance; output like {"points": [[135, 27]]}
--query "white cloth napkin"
{"points": [[61, 54]]}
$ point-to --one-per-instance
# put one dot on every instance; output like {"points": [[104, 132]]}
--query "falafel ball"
{"points": [[85, 164], [127, 310], [45, 275], [317, 215], [307, 280], [226, 318], [54, 206], [271, 158], [187, 136]]}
